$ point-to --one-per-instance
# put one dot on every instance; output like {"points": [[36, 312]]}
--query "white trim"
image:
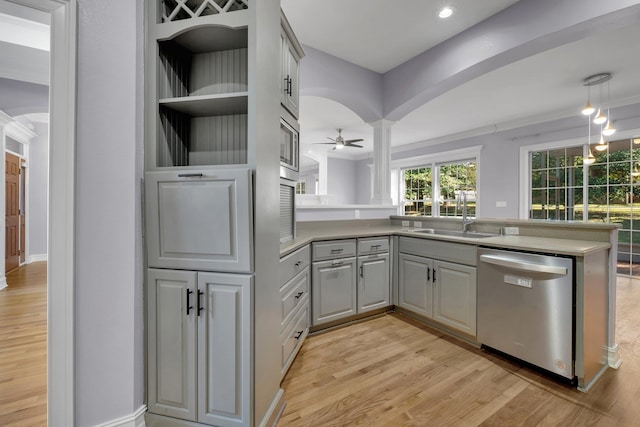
{"points": [[37, 258], [133, 420], [443, 156], [274, 411], [3, 282], [24, 32], [613, 357], [62, 141]]}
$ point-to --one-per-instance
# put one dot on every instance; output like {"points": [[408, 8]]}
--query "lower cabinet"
{"points": [[439, 290], [199, 346], [415, 290], [334, 289], [454, 296], [373, 282]]}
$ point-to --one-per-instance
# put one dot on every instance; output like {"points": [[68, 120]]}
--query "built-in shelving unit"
{"points": [[202, 97]]}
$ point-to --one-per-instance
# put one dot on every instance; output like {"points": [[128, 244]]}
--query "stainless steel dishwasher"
{"points": [[526, 307]]}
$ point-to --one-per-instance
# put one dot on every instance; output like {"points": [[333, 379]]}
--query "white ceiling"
{"points": [[382, 34], [533, 90]]}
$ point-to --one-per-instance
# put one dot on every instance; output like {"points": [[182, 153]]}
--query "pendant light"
{"points": [[608, 129], [600, 118], [588, 108]]}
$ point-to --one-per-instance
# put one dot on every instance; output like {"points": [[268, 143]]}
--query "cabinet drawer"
{"points": [[437, 249], [294, 263], [293, 336], [334, 249], [373, 246], [293, 293]]}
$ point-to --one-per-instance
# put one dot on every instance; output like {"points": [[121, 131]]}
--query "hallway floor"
{"points": [[23, 347]]}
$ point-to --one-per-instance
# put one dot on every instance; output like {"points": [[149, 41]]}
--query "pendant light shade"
{"points": [[608, 129], [602, 144], [589, 159], [588, 109], [599, 118]]}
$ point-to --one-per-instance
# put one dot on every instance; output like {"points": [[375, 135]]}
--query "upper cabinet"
{"points": [[291, 52], [200, 85]]}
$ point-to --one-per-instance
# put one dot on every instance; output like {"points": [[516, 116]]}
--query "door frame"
{"points": [[60, 267]]}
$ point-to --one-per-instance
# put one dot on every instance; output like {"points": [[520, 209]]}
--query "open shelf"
{"points": [[209, 105]]}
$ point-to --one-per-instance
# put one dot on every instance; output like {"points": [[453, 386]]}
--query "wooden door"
{"points": [[454, 296], [373, 283], [23, 230], [171, 338], [12, 212], [415, 284], [223, 306]]}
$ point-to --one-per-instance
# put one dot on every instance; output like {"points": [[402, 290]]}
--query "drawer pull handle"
{"points": [[298, 264], [336, 264], [189, 306], [190, 175], [299, 294], [336, 251], [299, 334], [428, 274], [375, 246]]}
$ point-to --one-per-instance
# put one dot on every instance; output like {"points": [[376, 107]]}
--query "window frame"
{"points": [[433, 161]]}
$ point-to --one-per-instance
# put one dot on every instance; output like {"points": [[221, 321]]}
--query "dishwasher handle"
{"points": [[517, 264]]}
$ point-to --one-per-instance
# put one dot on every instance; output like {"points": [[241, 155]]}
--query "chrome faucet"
{"points": [[462, 197]]}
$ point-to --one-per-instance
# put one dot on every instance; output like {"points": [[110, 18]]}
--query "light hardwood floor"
{"points": [[23, 347], [393, 371]]}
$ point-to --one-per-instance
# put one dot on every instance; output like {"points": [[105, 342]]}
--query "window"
{"points": [[301, 187], [562, 188], [447, 181]]}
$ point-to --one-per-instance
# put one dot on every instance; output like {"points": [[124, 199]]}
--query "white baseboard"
{"points": [[37, 258], [134, 420], [274, 411], [613, 355], [3, 282]]}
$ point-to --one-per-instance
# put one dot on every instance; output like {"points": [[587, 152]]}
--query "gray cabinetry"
{"points": [[334, 280], [438, 280], [291, 52], [199, 338], [295, 319], [374, 290], [415, 291], [200, 220], [454, 296]]}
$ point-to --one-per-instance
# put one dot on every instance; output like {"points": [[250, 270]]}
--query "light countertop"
{"points": [[352, 229]]}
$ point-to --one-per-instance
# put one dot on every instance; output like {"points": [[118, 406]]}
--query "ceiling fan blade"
{"points": [[331, 139], [325, 143], [353, 140], [354, 145]]}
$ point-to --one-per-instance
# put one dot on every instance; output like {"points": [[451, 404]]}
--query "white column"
{"points": [[381, 162]]}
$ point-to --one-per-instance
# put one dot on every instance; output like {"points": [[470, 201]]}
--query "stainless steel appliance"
{"points": [[289, 149], [526, 307]]}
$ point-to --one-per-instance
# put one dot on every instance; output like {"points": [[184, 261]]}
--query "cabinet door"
{"points": [[334, 290], [172, 343], [415, 285], [289, 81], [455, 296], [224, 349], [200, 220], [373, 282]]}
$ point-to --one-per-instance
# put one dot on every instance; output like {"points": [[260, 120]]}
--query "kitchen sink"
{"points": [[456, 233]]}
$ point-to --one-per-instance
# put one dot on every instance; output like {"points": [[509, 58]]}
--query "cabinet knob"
{"points": [[299, 334], [299, 294]]}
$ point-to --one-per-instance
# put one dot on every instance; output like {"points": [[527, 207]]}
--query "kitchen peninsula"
{"points": [[414, 244]]}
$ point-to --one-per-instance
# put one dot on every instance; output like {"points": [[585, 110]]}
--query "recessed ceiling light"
{"points": [[445, 12]]}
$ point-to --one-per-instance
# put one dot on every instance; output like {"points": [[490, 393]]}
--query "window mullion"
{"points": [[435, 191]]}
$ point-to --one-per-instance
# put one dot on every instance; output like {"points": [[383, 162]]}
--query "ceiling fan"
{"points": [[340, 142]]}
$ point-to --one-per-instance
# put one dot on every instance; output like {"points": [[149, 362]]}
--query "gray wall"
{"points": [[109, 329], [342, 185], [38, 190], [500, 157]]}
